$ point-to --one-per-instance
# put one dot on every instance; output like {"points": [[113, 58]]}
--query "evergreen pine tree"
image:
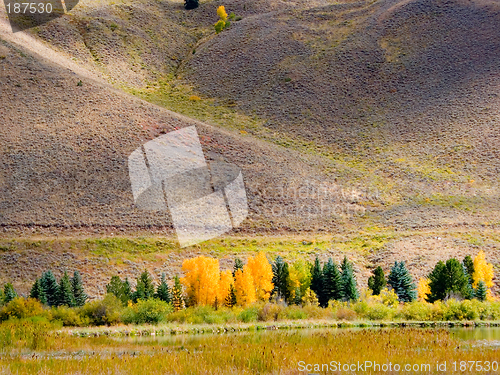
{"points": [[144, 288], [332, 281], [50, 288], [348, 282], [191, 4], [437, 283], [238, 265], [449, 279], [401, 281], [377, 281], [37, 292], [9, 293], [317, 280], [1, 297], [163, 291], [78, 291], [481, 291], [468, 290], [177, 300], [469, 265], [231, 297], [65, 293], [298, 297], [126, 294], [280, 279]]}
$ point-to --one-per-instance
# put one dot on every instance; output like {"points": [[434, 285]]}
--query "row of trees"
{"points": [[145, 290], [67, 292], [299, 283], [471, 278]]}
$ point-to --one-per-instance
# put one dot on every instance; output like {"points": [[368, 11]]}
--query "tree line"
{"points": [[297, 283]]}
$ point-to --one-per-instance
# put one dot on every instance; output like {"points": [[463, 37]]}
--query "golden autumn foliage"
{"points": [[244, 287], [221, 12], [482, 271], [225, 282], [423, 289], [262, 274], [201, 280]]}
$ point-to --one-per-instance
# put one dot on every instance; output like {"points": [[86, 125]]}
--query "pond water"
{"points": [[487, 334], [477, 333]]}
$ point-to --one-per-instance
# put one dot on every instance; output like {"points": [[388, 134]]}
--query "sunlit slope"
{"points": [[66, 141]]}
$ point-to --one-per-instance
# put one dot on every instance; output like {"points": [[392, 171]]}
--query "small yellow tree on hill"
{"points": [[223, 22]]}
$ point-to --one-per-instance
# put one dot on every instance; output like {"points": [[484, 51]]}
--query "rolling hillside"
{"points": [[372, 124]]}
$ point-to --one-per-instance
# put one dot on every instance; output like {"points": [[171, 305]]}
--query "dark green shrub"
{"points": [[151, 311], [103, 312]]}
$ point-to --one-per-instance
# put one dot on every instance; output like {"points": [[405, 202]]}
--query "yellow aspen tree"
{"points": [[221, 12], [201, 280], [244, 287], [262, 274], [423, 289], [225, 282], [482, 270]]}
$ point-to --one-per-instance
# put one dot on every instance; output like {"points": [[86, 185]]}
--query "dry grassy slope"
{"points": [[405, 90], [65, 150], [400, 95]]}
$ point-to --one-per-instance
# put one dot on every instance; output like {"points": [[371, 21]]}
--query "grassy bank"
{"points": [[255, 352]]}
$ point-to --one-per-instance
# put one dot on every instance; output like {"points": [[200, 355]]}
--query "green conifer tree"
{"points": [[9, 293], [78, 291], [401, 281], [317, 280], [126, 291], [349, 288], [230, 300], [449, 279], [238, 265], [481, 291], [377, 281], [163, 291], [332, 283], [38, 293], [144, 288], [191, 4], [468, 290], [65, 293], [469, 265], [50, 288], [280, 280]]}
